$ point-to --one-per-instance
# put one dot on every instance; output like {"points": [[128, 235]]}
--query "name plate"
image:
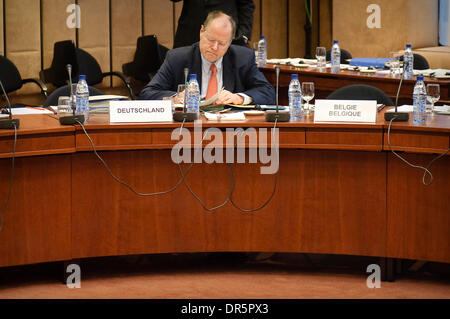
{"points": [[345, 111], [140, 111]]}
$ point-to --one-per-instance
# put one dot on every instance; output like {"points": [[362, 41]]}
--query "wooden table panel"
{"points": [[114, 139], [316, 207], [356, 139], [419, 215], [37, 221]]}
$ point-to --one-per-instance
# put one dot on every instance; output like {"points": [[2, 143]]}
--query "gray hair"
{"points": [[216, 14]]}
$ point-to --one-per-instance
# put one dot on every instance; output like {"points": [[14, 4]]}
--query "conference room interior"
{"points": [[109, 30]]}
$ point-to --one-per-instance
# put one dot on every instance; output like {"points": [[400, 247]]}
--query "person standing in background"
{"points": [[194, 12]]}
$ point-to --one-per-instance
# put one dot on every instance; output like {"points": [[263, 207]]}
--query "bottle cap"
{"points": [[408, 45], [335, 41], [82, 77], [262, 37], [294, 76], [192, 76], [420, 78]]}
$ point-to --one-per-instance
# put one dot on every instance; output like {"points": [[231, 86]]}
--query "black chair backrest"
{"points": [[63, 54], [345, 56], [9, 75], [88, 66], [148, 58], [420, 63], [52, 99], [361, 92]]}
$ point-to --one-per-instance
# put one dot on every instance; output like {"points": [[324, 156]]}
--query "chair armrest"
{"points": [[124, 80], [41, 84]]}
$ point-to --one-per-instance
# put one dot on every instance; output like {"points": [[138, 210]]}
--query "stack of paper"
{"points": [[238, 116], [100, 103], [437, 73]]}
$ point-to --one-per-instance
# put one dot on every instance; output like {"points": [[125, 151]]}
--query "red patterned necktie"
{"points": [[212, 85]]}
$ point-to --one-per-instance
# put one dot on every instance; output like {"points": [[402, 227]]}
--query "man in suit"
{"points": [[194, 12], [217, 64]]}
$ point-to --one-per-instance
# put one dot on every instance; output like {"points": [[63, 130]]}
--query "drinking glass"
{"points": [[172, 103], [255, 48], [181, 90], [64, 106], [321, 58], [307, 95], [394, 61], [433, 95]]}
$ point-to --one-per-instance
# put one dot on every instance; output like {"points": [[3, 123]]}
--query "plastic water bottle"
{"points": [[419, 101], [262, 52], [193, 95], [335, 57], [82, 97], [408, 58], [295, 98]]}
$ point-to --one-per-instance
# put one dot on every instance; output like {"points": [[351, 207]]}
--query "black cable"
{"points": [[196, 149], [183, 178], [274, 186], [425, 169], [11, 181], [121, 181]]}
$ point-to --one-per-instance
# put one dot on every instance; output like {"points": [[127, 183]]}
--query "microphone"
{"points": [[71, 119], [184, 116], [398, 116], [272, 116], [8, 123], [186, 73]]}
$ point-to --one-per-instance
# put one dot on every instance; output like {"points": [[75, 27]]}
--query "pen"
{"points": [[380, 107], [35, 108]]}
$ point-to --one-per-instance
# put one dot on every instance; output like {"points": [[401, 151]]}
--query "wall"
{"points": [[109, 29], [402, 21]]}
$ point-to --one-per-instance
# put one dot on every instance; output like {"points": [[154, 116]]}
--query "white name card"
{"points": [[345, 111], [140, 111]]}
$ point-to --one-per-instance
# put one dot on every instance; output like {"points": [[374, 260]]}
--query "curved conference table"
{"points": [[340, 191], [327, 82]]}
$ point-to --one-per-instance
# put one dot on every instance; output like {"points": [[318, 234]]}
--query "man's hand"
{"points": [[226, 97]]}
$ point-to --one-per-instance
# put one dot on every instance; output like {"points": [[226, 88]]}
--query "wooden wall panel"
{"points": [[93, 35], [23, 46], [177, 6], [256, 29], [2, 52], [274, 27], [325, 23], [110, 34], [402, 21], [54, 27], [158, 20], [123, 39], [297, 20]]}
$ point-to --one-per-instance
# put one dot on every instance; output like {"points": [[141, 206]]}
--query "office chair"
{"points": [[420, 63], [52, 99], [82, 62], [11, 79], [360, 92], [345, 56], [148, 58]]}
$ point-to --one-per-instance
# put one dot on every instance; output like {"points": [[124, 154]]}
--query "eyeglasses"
{"points": [[212, 42]]}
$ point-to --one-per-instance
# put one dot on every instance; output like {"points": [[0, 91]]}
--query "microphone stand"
{"points": [[8, 123], [71, 119], [279, 117], [185, 116], [398, 116]]}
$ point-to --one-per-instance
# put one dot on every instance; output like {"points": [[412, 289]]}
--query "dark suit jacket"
{"points": [[194, 13], [240, 74]]}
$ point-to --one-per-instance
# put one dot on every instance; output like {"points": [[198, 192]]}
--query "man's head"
{"points": [[216, 35]]}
